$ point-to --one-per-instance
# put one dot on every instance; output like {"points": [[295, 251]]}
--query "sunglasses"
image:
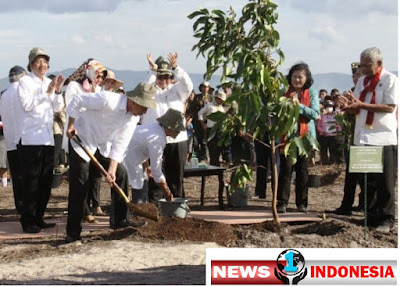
{"points": [[163, 77]]}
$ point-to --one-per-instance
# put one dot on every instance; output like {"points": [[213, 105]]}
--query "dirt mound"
{"points": [[189, 229]]}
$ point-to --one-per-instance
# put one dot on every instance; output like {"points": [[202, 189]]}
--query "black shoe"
{"points": [[32, 229], [302, 208], [281, 208], [340, 211], [42, 224], [128, 223], [70, 239]]}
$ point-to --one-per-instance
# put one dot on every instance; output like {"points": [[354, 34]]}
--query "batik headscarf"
{"points": [[86, 73]]}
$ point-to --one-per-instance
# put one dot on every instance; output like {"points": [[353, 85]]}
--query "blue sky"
{"points": [[327, 34]]}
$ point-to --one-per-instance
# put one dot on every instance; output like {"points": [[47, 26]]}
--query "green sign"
{"points": [[366, 159]]}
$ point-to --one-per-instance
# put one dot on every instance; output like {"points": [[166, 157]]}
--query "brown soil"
{"points": [[335, 231]]}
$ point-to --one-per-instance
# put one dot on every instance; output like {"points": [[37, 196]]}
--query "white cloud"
{"points": [[328, 35], [60, 6], [77, 39], [340, 8]]}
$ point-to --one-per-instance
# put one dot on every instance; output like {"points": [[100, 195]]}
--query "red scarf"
{"points": [[370, 84], [305, 100], [303, 121]]}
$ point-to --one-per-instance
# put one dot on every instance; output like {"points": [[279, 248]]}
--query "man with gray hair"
{"points": [[374, 101], [11, 111]]}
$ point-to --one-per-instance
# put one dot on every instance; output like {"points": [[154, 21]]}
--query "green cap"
{"points": [[144, 95], [172, 120], [164, 68]]}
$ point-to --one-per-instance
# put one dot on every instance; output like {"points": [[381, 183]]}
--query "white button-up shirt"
{"points": [[384, 126], [37, 120], [174, 97], [104, 123], [73, 88], [148, 141], [11, 113], [208, 110]]}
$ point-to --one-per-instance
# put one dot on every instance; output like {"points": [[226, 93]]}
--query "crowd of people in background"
{"points": [[146, 137]]}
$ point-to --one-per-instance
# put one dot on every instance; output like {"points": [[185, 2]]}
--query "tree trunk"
{"points": [[275, 180]]}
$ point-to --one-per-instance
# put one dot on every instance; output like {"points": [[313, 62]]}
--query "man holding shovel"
{"points": [[105, 123], [148, 142]]}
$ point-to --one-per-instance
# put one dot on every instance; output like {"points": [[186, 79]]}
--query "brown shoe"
{"points": [[90, 219]]}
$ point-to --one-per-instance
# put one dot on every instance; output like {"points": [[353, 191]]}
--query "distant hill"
{"points": [[327, 81]]}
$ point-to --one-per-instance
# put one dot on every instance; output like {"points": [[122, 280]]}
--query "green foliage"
{"points": [[240, 177], [245, 48], [346, 121]]}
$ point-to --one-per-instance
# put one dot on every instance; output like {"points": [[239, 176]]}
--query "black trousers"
{"points": [[16, 177], [93, 198], [201, 149], [37, 163], [285, 174], [174, 166], [350, 184], [79, 173], [264, 164], [328, 144], [382, 187], [213, 148], [59, 153]]}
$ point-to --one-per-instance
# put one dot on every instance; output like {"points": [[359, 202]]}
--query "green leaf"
{"points": [[217, 116]]}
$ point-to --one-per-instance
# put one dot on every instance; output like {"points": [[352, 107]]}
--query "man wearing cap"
{"points": [[40, 97], [105, 123], [200, 100], [11, 112], [148, 142], [170, 96], [216, 106]]}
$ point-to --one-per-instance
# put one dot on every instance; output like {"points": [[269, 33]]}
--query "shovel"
{"points": [[115, 186]]}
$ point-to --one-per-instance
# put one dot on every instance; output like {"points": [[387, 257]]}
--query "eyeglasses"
{"points": [[163, 77]]}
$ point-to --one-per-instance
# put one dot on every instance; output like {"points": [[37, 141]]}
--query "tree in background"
{"points": [[245, 49]]}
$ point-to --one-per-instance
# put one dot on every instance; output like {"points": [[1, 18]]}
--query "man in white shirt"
{"points": [[105, 123], [173, 96], [11, 112], [216, 106], [374, 102], [40, 98], [148, 142]]}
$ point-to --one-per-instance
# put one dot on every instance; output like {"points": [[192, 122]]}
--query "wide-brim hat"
{"points": [[164, 68], [35, 52], [221, 95], [111, 76], [172, 120], [143, 94]]}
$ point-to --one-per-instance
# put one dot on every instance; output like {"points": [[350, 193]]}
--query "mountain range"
{"points": [[328, 81]]}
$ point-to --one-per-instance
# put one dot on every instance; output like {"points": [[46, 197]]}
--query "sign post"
{"points": [[366, 159]]}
